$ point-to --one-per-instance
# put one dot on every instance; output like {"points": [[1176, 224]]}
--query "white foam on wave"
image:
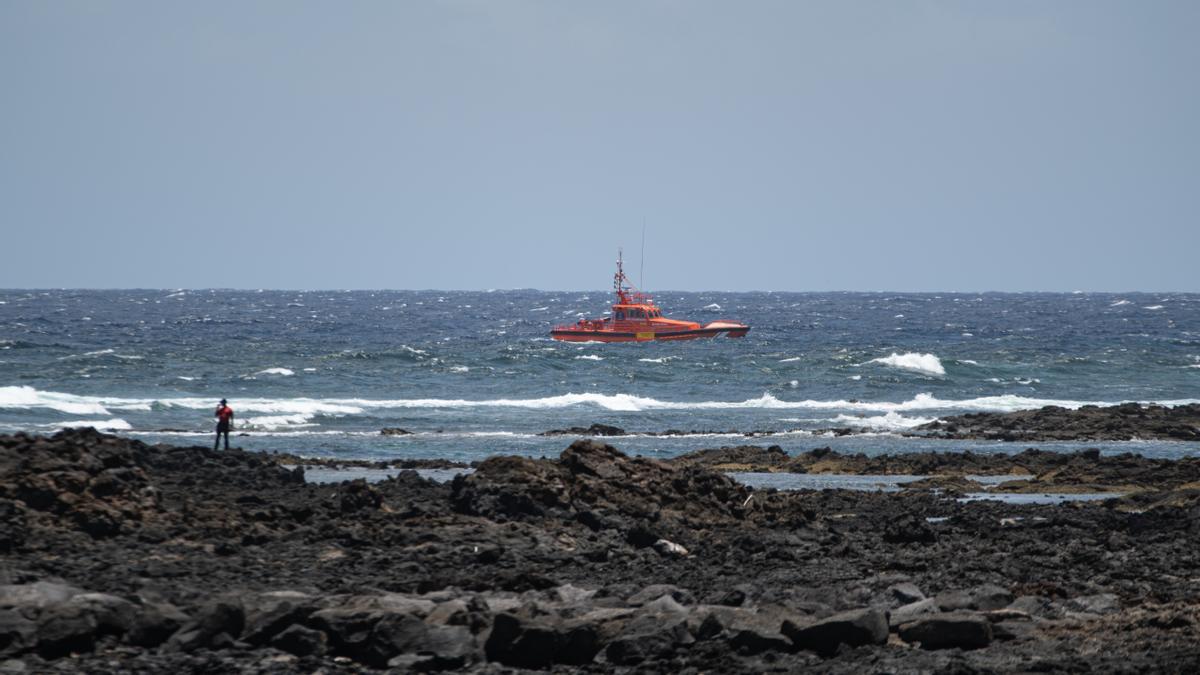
{"points": [[1153, 307], [714, 307], [791, 359], [275, 422], [661, 359], [28, 397], [890, 421], [1119, 303], [928, 364], [589, 357], [284, 372], [114, 424], [460, 369]]}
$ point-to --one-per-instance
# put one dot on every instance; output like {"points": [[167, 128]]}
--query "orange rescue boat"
{"points": [[635, 318]]}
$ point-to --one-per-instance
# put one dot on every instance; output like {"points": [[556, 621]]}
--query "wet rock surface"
{"points": [[128, 557]]}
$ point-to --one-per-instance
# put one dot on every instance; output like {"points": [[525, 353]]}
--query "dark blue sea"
{"points": [[475, 373]]}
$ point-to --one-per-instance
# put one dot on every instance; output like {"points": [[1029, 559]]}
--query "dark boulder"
{"points": [[853, 628], [593, 430], [527, 643], [757, 640], [427, 647], [950, 630], [358, 495], [155, 623], [65, 628]]}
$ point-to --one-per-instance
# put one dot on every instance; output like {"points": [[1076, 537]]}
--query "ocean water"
{"points": [[475, 373]]}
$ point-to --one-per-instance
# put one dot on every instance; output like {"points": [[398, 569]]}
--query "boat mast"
{"points": [[619, 279]]}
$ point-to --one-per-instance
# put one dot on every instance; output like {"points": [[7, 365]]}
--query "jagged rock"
{"points": [[912, 611], [394, 431], [213, 620], [589, 476], [1036, 606], [531, 644], [909, 529], [429, 647], [734, 597], [1112, 423], [17, 633], [65, 628], [655, 591], [301, 641], [358, 495], [647, 640], [759, 640], [949, 630], [348, 629], [853, 628], [155, 624], [905, 593], [113, 615], [274, 612], [593, 430]]}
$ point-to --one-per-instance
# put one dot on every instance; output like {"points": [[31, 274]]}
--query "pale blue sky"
{"points": [[470, 145]]}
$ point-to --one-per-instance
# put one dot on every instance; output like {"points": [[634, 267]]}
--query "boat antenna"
{"points": [[642, 263]]}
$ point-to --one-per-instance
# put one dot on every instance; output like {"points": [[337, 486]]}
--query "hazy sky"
{"points": [[484, 144]]}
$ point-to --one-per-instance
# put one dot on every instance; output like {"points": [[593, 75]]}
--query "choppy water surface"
{"points": [[474, 373]]}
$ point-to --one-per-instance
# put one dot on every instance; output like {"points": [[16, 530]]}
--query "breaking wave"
{"points": [[115, 424], [891, 421], [276, 422], [23, 397], [928, 364]]}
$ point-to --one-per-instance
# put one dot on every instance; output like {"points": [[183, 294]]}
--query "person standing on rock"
{"points": [[224, 417]]}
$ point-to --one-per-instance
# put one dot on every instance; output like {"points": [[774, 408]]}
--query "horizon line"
{"points": [[572, 290]]}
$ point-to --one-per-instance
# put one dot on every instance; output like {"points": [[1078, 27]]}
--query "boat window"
{"points": [[620, 316]]}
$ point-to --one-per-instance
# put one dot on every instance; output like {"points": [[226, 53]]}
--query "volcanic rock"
{"points": [[945, 631], [852, 628]]}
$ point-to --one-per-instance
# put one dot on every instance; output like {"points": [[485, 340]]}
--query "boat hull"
{"points": [[586, 335]]}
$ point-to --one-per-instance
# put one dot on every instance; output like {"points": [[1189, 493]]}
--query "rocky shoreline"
{"points": [[1033, 470], [117, 556], [1125, 422]]}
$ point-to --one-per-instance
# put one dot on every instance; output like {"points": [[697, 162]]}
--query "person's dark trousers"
{"points": [[221, 429]]}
